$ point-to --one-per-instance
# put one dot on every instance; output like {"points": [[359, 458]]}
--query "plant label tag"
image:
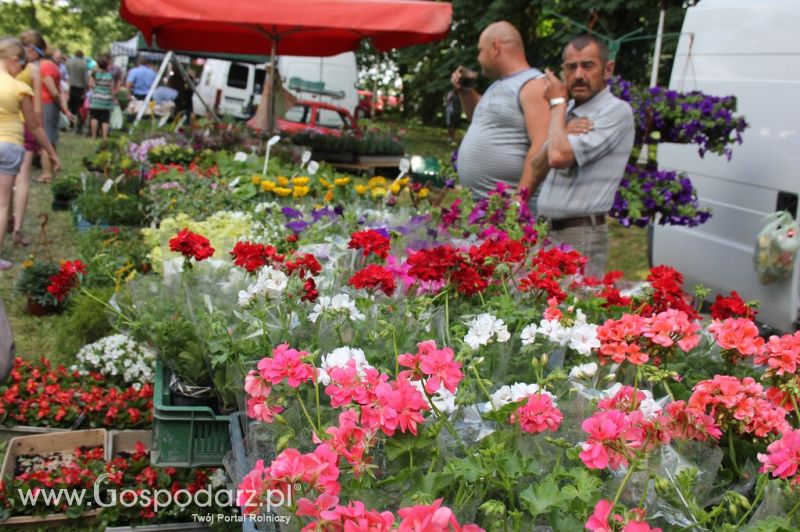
{"points": [[240, 157], [305, 157], [273, 141], [206, 132], [119, 178], [234, 183], [313, 167], [107, 186], [84, 177]]}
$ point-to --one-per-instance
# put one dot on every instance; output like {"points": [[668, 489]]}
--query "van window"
{"points": [[237, 76], [259, 83], [331, 119], [298, 113]]}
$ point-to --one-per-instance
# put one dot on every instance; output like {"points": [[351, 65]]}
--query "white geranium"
{"points": [[515, 392], [340, 304], [270, 283], [583, 371], [118, 356], [339, 358], [528, 334], [441, 399], [485, 327], [583, 338]]}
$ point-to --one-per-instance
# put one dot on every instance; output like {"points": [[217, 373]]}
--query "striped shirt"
{"points": [[589, 186], [493, 150], [102, 97]]}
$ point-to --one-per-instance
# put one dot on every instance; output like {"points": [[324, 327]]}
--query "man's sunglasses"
{"points": [[36, 49]]}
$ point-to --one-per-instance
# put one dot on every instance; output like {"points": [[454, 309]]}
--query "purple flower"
{"points": [[297, 226], [291, 213]]}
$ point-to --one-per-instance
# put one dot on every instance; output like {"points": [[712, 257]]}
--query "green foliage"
{"points": [[112, 208], [34, 280], [372, 143], [66, 187], [85, 321]]}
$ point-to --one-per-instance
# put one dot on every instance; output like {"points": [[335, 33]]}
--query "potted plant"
{"points": [[65, 189], [33, 283]]}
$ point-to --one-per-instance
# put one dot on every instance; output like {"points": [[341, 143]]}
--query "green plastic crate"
{"points": [[185, 436]]}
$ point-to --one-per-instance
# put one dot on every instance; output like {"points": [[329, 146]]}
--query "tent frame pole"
{"points": [[272, 77], [156, 81], [185, 75]]}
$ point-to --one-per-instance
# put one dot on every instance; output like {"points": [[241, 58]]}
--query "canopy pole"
{"points": [[156, 81], [659, 40], [271, 99], [185, 75]]}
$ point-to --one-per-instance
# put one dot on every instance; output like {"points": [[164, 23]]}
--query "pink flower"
{"points": [[781, 354], [639, 526], [350, 441], [354, 517], [259, 408], [598, 521], [539, 414], [685, 423], [611, 435], [252, 487], [307, 508], [440, 367], [783, 457], [739, 335], [321, 470], [431, 518], [670, 327], [286, 363], [552, 313], [255, 385]]}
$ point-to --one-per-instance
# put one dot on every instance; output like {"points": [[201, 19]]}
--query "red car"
{"points": [[320, 117]]}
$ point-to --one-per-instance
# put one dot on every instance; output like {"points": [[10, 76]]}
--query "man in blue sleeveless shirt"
{"points": [[508, 122]]}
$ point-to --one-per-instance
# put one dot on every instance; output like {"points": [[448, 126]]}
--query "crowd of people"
{"points": [[41, 92], [561, 144]]}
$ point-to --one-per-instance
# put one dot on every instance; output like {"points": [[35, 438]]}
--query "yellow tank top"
{"points": [[25, 76]]}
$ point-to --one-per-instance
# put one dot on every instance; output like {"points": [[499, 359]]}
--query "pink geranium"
{"points": [[539, 414], [440, 367], [252, 487], [598, 521], [611, 437], [737, 335], [286, 363], [783, 457], [350, 441], [260, 409], [431, 518], [354, 516], [255, 385], [781, 354]]}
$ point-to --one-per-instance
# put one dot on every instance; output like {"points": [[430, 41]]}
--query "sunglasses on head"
{"points": [[36, 49]]}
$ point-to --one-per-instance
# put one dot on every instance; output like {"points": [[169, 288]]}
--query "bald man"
{"points": [[509, 122]]}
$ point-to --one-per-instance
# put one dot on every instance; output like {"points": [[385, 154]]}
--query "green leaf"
{"points": [[543, 497]]}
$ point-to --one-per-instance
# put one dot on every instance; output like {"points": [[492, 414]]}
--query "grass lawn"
{"points": [[37, 336]]}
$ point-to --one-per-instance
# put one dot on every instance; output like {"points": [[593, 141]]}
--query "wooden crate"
{"points": [[125, 441], [42, 444]]}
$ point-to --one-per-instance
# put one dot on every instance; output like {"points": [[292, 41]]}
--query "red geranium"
{"points": [[66, 279], [303, 264], [668, 292], [252, 256], [731, 307], [191, 245], [374, 277], [370, 241]]}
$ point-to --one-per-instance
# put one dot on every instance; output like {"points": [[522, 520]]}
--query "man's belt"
{"points": [[578, 221]]}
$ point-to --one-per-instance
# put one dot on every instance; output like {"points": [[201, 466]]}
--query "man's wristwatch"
{"points": [[557, 101]]}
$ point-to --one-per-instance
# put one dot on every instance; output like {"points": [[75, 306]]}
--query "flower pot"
{"points": [[37, 309], [61, 204]]}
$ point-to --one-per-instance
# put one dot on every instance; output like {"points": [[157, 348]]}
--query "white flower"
{"points": [[270, 283], [118, 355], [483, 328], [442, 398], [339, 358], [515, 392], [338, 304], [583, 338], [528, 334], [583, 371], [218, 479], [554, 331]]}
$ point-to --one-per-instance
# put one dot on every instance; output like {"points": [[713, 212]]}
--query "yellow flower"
{"points": [[282, 191], [174, 201], [300, 191], [267, 185], [395, 188], [361, 189], [122, 196], [378, 192], [325, 183], [376, 181], [341, 181], [328, 196], [27, 263], [300, 181], [282, 181], [423, 192], [404, 181], [256, 180]]}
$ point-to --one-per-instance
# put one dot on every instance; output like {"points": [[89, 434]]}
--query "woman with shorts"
{"points": [[104, 90], [15, 97], [34, 45]]}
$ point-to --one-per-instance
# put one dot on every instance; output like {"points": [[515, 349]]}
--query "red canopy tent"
{"points": [[290, 27]]}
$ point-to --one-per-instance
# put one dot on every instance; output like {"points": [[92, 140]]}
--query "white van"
{"points": [[235, 88], [750, 49]]}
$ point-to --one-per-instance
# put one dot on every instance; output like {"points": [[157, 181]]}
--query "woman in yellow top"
{"points": [[15, 97], [34, 50]]}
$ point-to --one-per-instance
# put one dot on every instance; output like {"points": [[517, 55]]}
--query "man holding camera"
{"points": [[508, 122]]}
